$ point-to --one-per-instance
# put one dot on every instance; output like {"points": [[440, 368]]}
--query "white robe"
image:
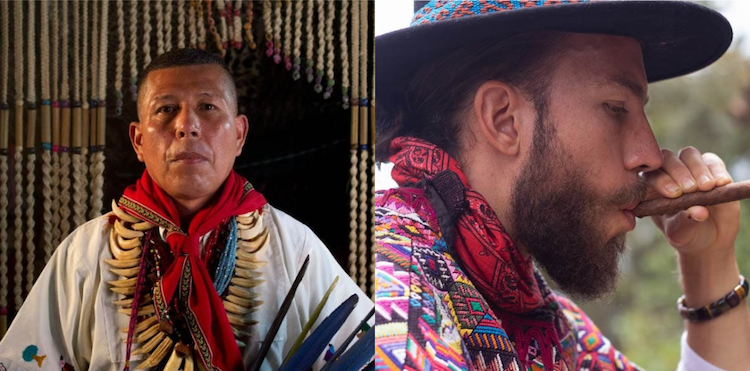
{"points": [[69, 312]]}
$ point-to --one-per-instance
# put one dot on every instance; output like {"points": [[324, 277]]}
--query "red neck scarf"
{"points": [[197, 297], [484, 248]]}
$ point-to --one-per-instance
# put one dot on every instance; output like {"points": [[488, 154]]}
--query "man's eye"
{"points": [[616, 109], [165, 109], [209, 106]]}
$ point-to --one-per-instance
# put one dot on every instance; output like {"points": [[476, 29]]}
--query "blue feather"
{"points": [[348, 340], [358, 355], [317, 342]]}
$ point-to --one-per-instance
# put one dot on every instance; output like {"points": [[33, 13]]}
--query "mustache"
{"points": [[630, 193]]}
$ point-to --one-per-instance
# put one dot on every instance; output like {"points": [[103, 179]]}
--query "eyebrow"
{"points": [[620, 81], [170, 96]]}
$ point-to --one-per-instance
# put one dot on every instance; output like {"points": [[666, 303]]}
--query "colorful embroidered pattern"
{"points": [[430, 316], [437, 10], [599, 354], [146, 214]]}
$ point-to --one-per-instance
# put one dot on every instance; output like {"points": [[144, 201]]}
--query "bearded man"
{"points": [[518, 134], [194, 260]]}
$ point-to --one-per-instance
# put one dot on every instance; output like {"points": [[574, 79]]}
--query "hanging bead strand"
{"points": [[18, 155], [4, 132], [268, 27], [344, 17], [354, 141], [97, 170], [159, 28], [46, 121], [192, 25], [222, 8], [237, 24], [201, 26], [212, 27], [119, 57], [310, 43], [146, 33], [80, 124], [66, 115], [31, 113], [133, 52], [249, 26], [330, 81], [55, 134], [78, 96], [297, 39], [277, 32], [181, 24], [168, 15], [363, 141], [89, 137], [320, 66], [287, 34]]}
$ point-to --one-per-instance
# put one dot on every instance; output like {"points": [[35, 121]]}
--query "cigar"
{"points": [[719, 195]]}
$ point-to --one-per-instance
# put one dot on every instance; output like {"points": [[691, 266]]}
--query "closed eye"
{"points": [[619, 110]]}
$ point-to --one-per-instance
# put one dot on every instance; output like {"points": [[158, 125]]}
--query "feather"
{"points": [[255, 366], [348, 340], [313, 318], [311, 349], [357, 356]]}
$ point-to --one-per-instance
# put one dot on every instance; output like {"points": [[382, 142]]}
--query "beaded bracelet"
{"points": [[716, 308]]}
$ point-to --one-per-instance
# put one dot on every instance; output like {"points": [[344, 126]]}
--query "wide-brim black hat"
{"points": [[677, 37]]}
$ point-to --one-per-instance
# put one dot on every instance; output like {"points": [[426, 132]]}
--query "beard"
{"points": [[557, 217]]}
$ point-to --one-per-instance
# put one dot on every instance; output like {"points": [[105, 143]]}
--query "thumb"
{"points": [[682, 228]]}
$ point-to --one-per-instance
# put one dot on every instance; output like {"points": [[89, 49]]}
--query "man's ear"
{"points": [[242, 126], [497, 111], [136, 139]]}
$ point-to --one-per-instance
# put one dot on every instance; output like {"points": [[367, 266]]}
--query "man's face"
{"points": [[571, 203], [189, 133]]}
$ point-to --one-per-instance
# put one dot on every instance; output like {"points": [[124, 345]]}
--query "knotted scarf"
{"points": [[197, 298], [486, 252]]}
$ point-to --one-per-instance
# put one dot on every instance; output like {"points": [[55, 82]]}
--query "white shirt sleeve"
{"points": [[691, 361], [290, 242], [55, 321]]}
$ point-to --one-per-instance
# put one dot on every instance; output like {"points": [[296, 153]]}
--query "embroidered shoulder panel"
{"points": [[416, 277], [455, 329]]}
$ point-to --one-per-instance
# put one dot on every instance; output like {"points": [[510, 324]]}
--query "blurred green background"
{"points": [[709, 110]]}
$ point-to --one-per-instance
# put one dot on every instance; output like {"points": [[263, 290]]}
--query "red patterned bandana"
{"points": [[484, 248], [197, 298]]}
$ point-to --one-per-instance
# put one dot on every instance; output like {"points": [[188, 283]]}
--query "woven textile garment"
{"points": [[430, 316]]}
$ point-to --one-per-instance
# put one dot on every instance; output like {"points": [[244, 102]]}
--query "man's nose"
{"points": [[187, 124], [641, 152]]}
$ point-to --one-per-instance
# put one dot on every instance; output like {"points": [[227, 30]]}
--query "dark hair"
{"points": [[431, 103], [185, 57], [182, 57]]}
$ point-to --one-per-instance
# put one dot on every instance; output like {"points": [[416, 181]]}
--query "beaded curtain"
{"points": [[304, 78]]}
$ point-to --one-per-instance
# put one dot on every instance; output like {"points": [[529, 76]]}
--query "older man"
{"points": [[194, 260], [517, 132]]}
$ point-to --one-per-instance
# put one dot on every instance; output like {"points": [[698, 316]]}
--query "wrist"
{"points": [[707, 277]]}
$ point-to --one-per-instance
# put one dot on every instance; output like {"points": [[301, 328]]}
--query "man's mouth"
{"points": [[629, 214], [188, 157]]}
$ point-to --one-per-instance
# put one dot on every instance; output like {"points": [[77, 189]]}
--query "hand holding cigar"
{"points": [[719, 195]]}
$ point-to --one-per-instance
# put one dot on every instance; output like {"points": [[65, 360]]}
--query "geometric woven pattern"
{"points": [[429, 315]]}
